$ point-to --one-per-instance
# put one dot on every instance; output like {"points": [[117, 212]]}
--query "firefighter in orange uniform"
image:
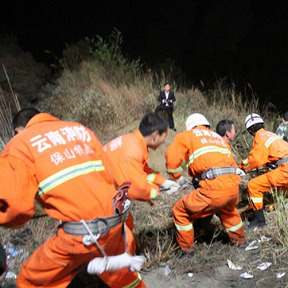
{"points": [[209, 159], [62, 165], [269, 149], [128, 155]]}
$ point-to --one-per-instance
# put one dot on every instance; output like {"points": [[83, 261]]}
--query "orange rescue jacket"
{"points": [[201, 149], [267, 147], [62, 165], [128, 155]]}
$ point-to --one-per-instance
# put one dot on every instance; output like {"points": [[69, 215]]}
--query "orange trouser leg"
{"points": [[50, 266], [259, 185], [123, 278], [232, 222], [192, 206], [263, 183], [184, 227], [201, 203], [60, 258], [256, 187]]}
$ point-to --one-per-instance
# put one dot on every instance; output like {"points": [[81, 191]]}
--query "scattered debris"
{"points": [[246, 275], [280, 275], [232, 266], [165, 270], [264, 239], [10, 276], [252, 246], [264, 266]]}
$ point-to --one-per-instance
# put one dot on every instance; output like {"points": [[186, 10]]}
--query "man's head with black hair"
{"points": [[154, 129], [285, 117], [21, 119], [226, 129], [167, 86]]}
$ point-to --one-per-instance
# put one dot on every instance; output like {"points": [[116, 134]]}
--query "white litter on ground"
{"points": [[246, 275], [280, 275], [264, 239], [264, 266], [232, 266], [165, 270], [252, 246]]}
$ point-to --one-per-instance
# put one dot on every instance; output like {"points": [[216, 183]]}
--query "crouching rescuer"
{"points": [[209, 159], [63, 166], [270, 150]]}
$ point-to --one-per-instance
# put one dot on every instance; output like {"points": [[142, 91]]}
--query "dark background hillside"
{"points": [[244, 40]]}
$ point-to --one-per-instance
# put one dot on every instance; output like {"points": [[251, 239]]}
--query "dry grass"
{"points": [[6, 132], [86, 94], [25, 74]]}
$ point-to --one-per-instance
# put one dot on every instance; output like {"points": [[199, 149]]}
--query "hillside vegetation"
{"points": [[99, 87]]}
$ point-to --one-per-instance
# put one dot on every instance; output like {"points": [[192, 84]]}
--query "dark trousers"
{"points": [[169, 111]]}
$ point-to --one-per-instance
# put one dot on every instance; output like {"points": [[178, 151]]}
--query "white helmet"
{"points": [[252, 119], [196, 119]]}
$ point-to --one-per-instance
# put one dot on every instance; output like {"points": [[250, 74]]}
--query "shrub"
{"points": [[25, 74]]}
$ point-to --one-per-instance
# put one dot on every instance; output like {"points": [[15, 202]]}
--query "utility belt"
{"points": [[276, 164], [98, 226], [212, 173]]}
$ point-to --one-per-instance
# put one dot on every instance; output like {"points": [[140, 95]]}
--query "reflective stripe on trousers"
{"points": [[235, 228], [134, 283], [184, 228]]}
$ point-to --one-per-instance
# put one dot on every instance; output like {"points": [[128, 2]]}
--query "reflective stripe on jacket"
{"points": [[267, 147], [204, 149], [60, 163]]}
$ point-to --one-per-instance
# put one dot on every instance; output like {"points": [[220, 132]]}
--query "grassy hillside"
{"points": [[102, 89]]}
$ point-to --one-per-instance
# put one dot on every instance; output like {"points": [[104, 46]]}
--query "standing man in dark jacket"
{"points": [[166, 99]]}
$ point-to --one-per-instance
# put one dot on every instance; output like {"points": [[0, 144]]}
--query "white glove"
{"points": [[111, 263], [183, 182], [170, 186], [240, 172]]}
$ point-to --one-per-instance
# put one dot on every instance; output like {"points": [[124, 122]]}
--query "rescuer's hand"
{"points": [[136, 263], [170, 186], [111, 263], [183, 182], [240, 172]]}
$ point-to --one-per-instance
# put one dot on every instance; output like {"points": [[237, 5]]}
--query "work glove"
{"points": [[240, 172], [183, 182], [170, 186], [111, 263]]}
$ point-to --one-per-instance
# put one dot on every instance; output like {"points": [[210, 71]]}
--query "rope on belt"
{"points": [[212, 173], [98, 226]]}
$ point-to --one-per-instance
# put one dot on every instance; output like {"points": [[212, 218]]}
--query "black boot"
{"points": [[258, 220]]}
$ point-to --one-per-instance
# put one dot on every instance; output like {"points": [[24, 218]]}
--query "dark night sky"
{"points": [[246, 39]]}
